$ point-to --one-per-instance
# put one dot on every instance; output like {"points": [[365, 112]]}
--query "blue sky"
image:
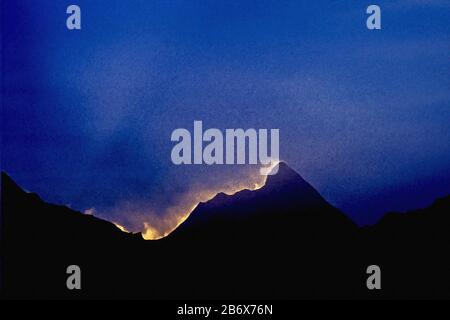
{"points": [[363, 115]]}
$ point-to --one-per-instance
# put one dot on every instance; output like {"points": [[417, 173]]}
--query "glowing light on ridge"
{"points": [[151, 233], [122, 228]]}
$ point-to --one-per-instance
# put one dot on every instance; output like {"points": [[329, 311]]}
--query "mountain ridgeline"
{"points": [[281, 241]]}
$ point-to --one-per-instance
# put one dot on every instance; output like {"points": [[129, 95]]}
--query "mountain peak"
{"points": [[283, 174], [288, 178]]}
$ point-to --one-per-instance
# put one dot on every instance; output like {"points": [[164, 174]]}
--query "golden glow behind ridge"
{"points": [[180, 214], [122, 228]]}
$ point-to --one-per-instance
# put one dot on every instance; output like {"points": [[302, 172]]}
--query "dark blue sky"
{"points": [[363, 115]]}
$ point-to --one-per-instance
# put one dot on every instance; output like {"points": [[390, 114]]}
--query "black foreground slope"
{"points": [[282, 241]]}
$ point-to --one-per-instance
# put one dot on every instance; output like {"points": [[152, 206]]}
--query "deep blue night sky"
{"points": [[363, 115]]}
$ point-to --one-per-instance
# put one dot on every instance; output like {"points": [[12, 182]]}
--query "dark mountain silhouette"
{"points": [[281, 208], [281, 241]]}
